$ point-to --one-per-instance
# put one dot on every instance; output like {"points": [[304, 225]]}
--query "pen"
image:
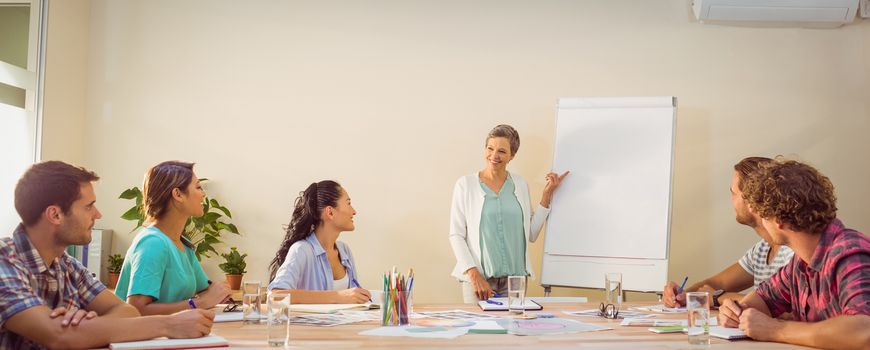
{"points": [[191, 303], [355, 282], [680, 290], [493, 302]]}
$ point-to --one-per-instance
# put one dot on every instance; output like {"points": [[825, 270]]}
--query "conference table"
{"points": [[241, 335]]}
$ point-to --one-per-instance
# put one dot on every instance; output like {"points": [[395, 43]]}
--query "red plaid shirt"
{"points": [[26, 281], [835, 282]]}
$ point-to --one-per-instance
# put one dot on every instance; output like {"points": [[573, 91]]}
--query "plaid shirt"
{"points": [[835, 282], [26, 281]]}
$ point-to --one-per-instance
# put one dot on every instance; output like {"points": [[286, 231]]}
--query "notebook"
{"points": [[501, 304], [209, 341], [228, 317], [728, 333], [331, 308]]}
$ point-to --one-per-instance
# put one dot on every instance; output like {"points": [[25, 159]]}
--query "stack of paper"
{"points": [[660, 308], [330, 308]]}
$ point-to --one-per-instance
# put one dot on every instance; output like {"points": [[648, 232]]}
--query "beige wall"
{"points": [[66, 81], [393, 100]]}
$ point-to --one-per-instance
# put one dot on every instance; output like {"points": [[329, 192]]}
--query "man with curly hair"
{"points": [[759, 263], [826, 286]]}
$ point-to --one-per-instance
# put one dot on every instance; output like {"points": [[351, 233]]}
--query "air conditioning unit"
{"points": [[804, 13]]}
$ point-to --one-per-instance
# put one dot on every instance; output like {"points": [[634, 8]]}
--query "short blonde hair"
{"points": [[746, 167], [507, 132]]}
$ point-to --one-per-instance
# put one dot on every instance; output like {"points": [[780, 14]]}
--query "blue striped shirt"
{"points": [[307, 267]]}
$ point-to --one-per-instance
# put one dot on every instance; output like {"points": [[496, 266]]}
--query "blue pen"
{"points": [[493, 302], [680, 290], [354, 281]]}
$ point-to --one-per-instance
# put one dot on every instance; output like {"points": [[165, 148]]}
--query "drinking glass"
{"points": [[516, 295], [698, 307], [278, 318], [251, 302], [613, 291]]}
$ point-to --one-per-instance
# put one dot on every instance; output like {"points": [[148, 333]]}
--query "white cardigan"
{"points": [[465, 214]]}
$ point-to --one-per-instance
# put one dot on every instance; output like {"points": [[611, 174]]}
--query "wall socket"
{"points": [[865, 8]]}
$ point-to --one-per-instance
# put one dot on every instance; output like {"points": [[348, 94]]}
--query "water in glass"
{"points": [[278, 318], [516, 295], [698, 306]]}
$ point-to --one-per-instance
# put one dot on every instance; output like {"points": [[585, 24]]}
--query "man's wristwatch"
{"points": [[716, 294]]}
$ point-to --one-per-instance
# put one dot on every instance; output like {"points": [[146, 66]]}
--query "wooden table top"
{"points": [[346, 336]]}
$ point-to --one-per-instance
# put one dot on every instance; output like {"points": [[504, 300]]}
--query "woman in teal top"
{"points": [[161, 274], [492, 217], [501, 232]]}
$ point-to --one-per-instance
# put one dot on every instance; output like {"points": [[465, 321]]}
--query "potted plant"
{"points": [[204, 231], [116, 261], [234, 267]]}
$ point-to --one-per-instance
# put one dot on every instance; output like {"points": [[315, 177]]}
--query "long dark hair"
{"points": [[306, 217]]}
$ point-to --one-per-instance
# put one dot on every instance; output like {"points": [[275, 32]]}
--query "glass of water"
{"points": [[251, 302], [613, 290], [278, 317], [698, 306], [517, 295]]}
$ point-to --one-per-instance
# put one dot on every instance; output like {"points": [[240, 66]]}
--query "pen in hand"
{"points": [[356, 283], [739, 308], [680, 290]]}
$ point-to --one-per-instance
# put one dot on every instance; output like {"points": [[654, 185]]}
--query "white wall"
{"points": [[394, 99]]}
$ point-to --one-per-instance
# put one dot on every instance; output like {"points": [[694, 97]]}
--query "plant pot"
{"points": [[235, 281], [113, 280]]}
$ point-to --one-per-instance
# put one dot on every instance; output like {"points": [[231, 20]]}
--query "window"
{"points": [[21, 23]]}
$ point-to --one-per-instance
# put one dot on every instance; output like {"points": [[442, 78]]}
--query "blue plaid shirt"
{"points": [[26, 281]]}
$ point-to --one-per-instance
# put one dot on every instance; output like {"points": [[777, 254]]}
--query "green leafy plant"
{"points": [[116, 261], [235, 262], [203, 231]]}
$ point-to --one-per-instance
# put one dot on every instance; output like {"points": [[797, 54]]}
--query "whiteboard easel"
{"points": [[613, 213]]}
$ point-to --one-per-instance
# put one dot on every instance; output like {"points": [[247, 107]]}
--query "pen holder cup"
{"points": [[396, 308]]}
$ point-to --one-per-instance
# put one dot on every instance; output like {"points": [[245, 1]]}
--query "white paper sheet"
{"points": [[458, 315], [651, 322], [660, 308], [163, 343], [596, 313], [544, 326], [416, 332], [228, 317]]}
